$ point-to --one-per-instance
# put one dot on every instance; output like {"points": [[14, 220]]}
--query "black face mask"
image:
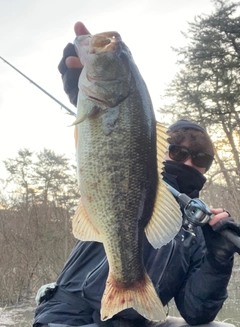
{"points": [[189, 180]]}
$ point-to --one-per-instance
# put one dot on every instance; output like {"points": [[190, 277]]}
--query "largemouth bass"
{"points": [[122, 193]]}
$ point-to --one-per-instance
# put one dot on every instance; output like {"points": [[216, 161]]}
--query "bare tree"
{"points": [[35, 226], [207, 90]]}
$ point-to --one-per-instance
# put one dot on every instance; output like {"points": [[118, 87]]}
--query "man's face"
{"points": [[188, 161]]}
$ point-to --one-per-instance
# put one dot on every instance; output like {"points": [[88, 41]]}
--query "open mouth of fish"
{"points": [[103, 41], [92, 44]]}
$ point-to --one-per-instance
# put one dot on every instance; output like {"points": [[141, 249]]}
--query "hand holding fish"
{"points": [[70, 66], [73, 61]]}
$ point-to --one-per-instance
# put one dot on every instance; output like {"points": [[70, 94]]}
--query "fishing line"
{"points": [[52, 97]]}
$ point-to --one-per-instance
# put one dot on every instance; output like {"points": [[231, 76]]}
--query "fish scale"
{"points": [[119, 181]]}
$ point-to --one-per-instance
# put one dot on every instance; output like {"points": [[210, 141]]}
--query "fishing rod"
{"points": [[31, 81]]}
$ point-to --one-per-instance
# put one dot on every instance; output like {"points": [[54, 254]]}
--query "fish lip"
{"points": [[91, 44], [84, 40], [107, 40]]}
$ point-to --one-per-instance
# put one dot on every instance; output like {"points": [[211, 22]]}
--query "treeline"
{"points": [[35, 229], [206, 90]]}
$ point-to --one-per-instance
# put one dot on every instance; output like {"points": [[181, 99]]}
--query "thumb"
{"points": [[74, 62], [80, 29]]}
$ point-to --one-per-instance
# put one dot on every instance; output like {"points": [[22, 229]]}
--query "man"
{"points": [[192, 269]]}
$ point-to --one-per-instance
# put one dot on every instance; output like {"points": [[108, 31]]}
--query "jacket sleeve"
{"points": [[205, 287]]}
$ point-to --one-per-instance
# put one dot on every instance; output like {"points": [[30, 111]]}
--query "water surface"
{"points": [[21, 316]]}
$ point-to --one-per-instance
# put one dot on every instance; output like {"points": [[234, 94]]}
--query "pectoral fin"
{"points": [[84, 116], [166, 219], [82, 226]]}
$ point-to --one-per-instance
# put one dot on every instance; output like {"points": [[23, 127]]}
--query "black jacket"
{"points": [[181, 270]]}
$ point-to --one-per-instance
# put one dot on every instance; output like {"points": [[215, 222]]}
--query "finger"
{"points": [[215, 211], [80, 29], [217, 218], [73, 62]]}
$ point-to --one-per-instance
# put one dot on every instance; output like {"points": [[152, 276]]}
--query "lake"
{"points": [[22, 315]]}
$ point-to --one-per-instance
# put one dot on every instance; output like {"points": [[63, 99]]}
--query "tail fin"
{"points": [[141, 297]]}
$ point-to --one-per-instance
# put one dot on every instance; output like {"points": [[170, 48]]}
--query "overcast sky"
{"points": [[33, 34]]}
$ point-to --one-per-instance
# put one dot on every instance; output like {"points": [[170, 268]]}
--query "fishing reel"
{"points": [[195, 211]]}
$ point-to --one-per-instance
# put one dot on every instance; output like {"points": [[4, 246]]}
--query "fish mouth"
{"points": [[104, 41], [91, 44]]}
